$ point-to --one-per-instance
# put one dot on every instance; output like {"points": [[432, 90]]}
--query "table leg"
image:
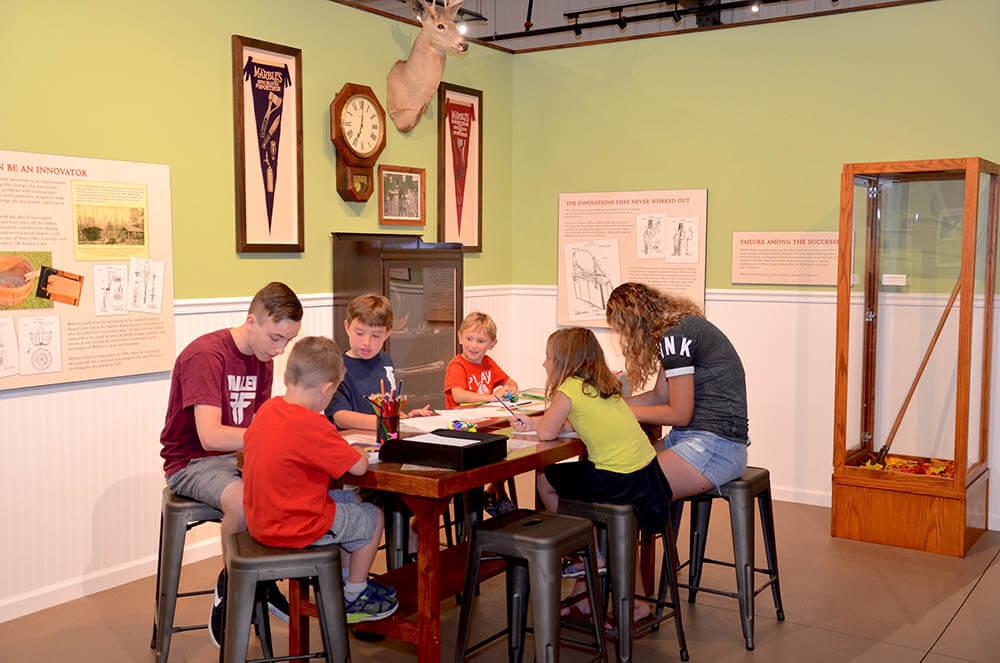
{"points": [[427, 513]]}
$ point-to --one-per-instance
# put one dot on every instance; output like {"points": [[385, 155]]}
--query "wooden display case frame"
{"points": [[922, 512]]}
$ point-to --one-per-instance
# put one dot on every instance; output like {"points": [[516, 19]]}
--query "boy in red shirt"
{"points": [[292, 452], [473, 376]]}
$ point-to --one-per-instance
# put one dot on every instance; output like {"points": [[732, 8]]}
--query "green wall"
{"points": [[763, 117], [151, 81]]}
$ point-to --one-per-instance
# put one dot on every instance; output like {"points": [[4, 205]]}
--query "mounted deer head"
{"points": [[413, 82]]}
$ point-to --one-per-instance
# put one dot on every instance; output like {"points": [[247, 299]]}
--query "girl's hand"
{"points": [[522, 424], [425, 411]]}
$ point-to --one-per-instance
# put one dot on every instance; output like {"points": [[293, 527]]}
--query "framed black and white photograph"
{"points": [[267, 123], [402, 197]]}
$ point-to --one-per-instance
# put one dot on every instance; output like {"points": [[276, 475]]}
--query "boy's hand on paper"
{"points": [[501, 390]]}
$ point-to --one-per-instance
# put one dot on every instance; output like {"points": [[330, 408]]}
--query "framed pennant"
{"points": [[460, 166], [267, 121]]}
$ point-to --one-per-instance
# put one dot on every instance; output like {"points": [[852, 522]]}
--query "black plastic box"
{"points": [[490, 448]]}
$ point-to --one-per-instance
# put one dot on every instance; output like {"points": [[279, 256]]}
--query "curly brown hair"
{"points": [[575, 352], [640, 315]]}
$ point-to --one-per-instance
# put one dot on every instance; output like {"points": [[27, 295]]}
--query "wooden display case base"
{"points": [[917, 513]]}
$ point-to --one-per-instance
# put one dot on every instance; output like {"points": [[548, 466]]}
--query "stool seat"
{"points": [[250, 562], [756, 480], [519, 532], [247, 554], [193, 509]]}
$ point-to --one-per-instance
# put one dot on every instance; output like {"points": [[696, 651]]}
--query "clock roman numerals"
{"points": [[358, 131]]}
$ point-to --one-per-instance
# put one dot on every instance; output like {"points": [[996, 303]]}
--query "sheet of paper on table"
{"points": [[441, 439], [361, 439], [411, 467]]}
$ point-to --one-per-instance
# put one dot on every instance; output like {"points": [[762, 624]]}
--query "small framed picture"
{"points": [[402, 199]]}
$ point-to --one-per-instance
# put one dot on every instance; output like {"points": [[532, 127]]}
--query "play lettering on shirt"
{"points": [[481, 385], [242, 392]]}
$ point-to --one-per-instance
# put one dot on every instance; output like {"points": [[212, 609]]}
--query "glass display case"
{"points": [[915, 289], [423, 281]]}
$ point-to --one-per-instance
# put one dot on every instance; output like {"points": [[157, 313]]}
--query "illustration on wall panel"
{"points": [[649, 230], [594, 272], [8, 348], [145, 285], [683, 233], [41, 345], [109, 289]]}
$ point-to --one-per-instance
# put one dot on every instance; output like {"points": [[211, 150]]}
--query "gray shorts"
{"points": [[354, 522], [204, 479]]}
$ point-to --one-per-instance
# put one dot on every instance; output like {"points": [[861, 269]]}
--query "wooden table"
{"points": [[437, 574]]}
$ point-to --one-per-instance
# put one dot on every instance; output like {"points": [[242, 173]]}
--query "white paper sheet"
{"points": [[440, 439]]}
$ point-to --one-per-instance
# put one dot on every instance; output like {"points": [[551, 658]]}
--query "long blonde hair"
{"points": [[575, 352], [640, 315]]}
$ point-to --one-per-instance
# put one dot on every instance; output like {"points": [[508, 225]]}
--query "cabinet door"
{"points": [[426, 301]]}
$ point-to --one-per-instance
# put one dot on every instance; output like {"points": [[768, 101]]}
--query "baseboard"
{"points": [[46, 597], [801, 496]]}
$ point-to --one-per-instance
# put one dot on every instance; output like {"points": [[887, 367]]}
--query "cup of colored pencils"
{"points": [[387, 407]]}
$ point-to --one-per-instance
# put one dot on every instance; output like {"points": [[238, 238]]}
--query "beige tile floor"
{"points": [[844, 601]]}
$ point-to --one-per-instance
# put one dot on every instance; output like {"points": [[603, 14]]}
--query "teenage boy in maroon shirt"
{"points": [[218, 383]]}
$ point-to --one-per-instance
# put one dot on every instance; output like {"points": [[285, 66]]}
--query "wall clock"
{"points": [[357, 129]]}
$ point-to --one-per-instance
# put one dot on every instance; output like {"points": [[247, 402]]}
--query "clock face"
{"points": [[361, 125]]}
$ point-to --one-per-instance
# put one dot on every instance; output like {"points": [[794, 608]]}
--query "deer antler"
{"points": [[423, 8], [451, 8]]}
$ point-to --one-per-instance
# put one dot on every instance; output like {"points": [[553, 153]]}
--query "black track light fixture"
{"points": [[622, 21], [677, 14]]}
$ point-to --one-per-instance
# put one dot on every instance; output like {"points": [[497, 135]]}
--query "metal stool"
{"points": [[533, 545], [618, 533], [177, 516], [740, 493], [249, 562]]}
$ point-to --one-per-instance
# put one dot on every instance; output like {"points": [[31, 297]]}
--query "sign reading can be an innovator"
{"points": [[785, 258]]}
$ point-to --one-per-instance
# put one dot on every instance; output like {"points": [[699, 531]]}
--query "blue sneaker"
{"points": [[369, 606], [380, 589]]}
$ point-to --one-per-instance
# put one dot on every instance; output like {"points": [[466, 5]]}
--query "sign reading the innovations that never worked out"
{"points": [[86, 283], [785, 258], [607, 238]]}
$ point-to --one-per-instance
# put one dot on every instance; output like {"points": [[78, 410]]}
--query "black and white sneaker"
{"points": [[277, 604], [217, 618]]}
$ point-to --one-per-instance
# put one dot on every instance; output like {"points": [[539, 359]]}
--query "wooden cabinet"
{"points": [[423, 281], [915, 290]]}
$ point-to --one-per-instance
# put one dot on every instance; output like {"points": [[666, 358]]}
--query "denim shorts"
{"points": [[719, 459]]}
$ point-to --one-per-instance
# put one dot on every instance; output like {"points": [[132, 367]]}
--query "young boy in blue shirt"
{"points": [[369, 370]]}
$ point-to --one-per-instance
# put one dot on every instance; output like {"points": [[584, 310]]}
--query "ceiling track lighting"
{"points": [[676, 14], [622, 21], [755, 8]]}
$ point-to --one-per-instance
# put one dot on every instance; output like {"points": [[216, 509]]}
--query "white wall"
{"points": [[81, 477]]}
